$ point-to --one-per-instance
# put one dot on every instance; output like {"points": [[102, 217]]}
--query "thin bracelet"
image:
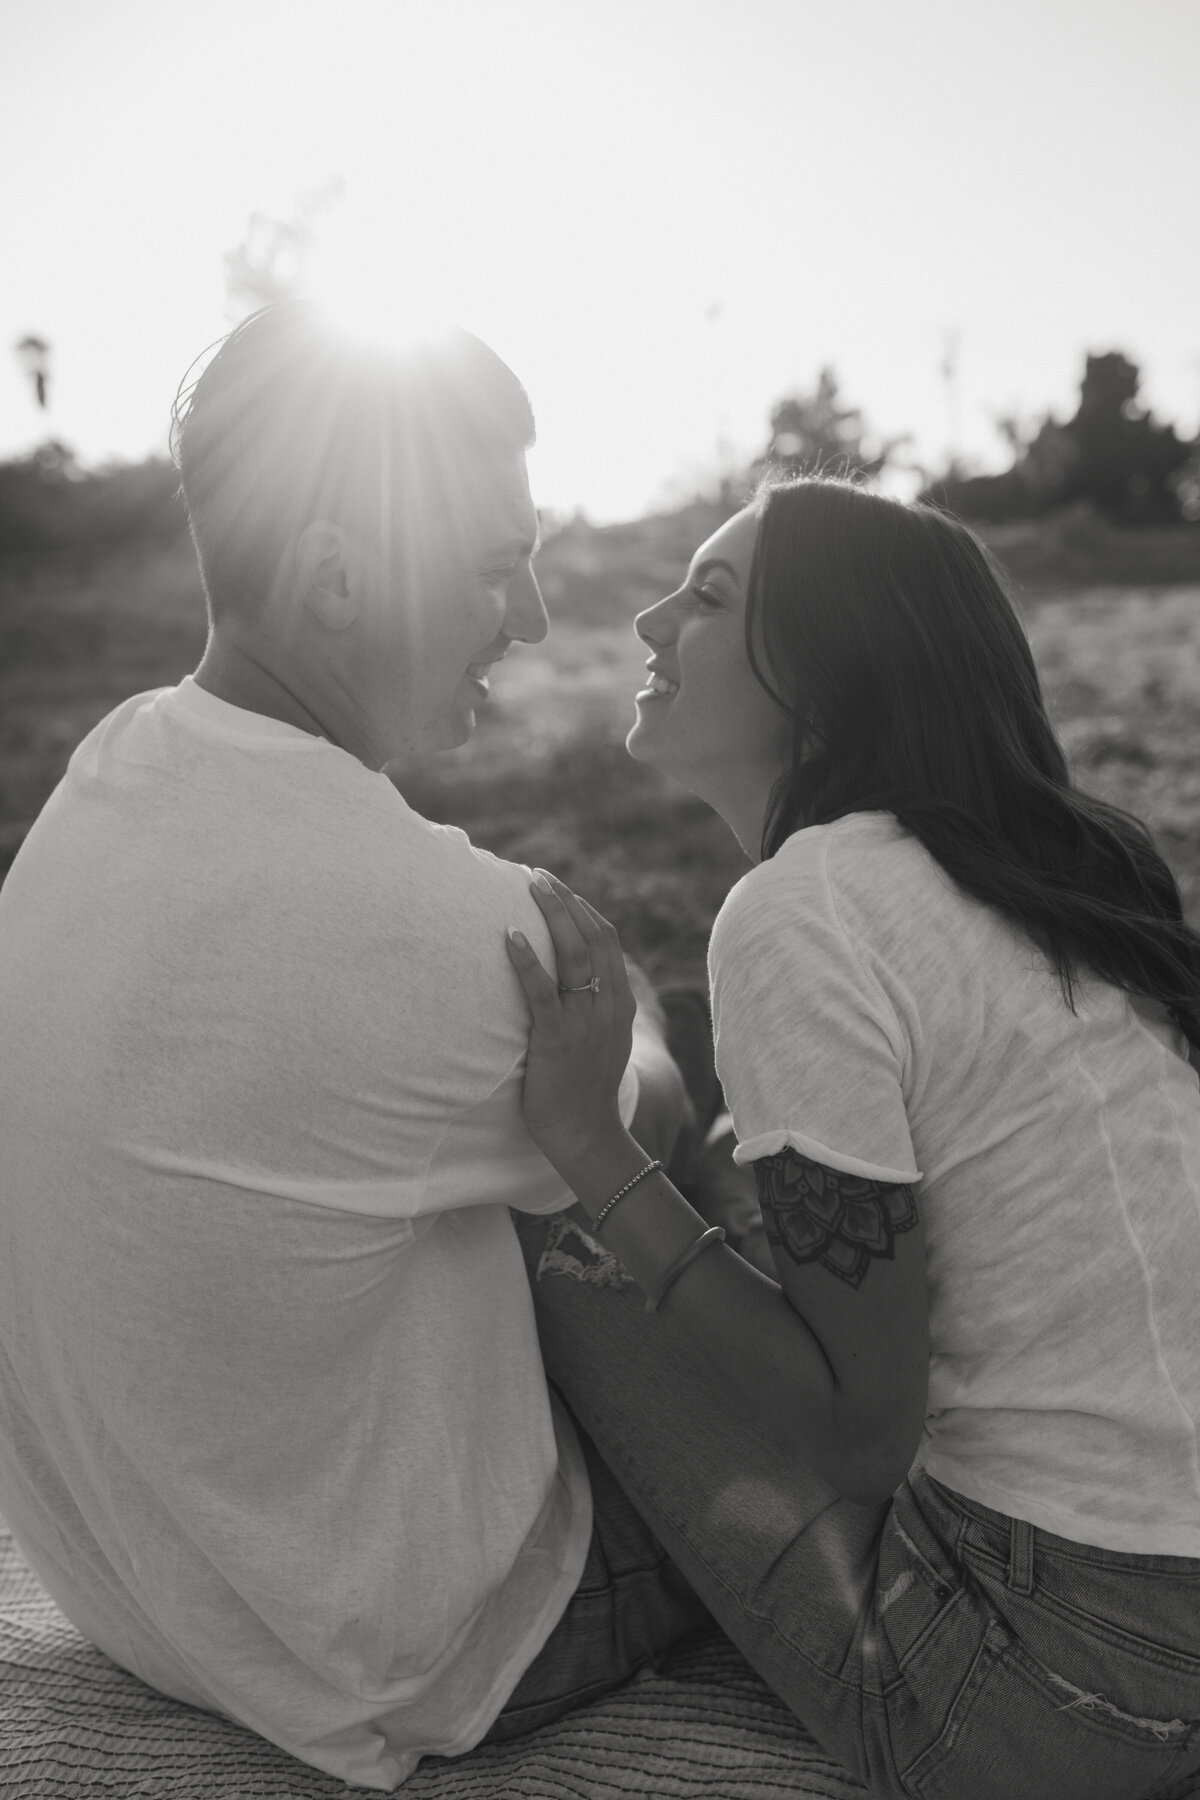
{"points": [[621, 1193], [714, 1235]]}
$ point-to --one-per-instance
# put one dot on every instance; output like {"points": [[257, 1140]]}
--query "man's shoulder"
{"points": [[465, 873], [120, 717], [398, 869]]}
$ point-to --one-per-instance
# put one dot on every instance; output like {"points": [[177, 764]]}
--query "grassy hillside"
{"points": [[1115, 623]]}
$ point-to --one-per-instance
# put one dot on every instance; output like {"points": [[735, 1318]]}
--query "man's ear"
{"points": [[323, 558]]}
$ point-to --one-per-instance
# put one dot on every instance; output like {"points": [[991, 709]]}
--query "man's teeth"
{"points": [[658, 684]]}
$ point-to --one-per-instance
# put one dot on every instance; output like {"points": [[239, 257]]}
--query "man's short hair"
{"points": [[292, 422]]}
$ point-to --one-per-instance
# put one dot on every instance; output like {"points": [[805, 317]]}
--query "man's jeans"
{"points": [[630, 1606], [937, 1649]]}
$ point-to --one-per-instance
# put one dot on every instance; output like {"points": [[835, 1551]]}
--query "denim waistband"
{"points": [[1016, 1538]]}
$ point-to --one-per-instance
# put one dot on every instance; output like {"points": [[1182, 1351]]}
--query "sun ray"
{"points": [[377, 292]]}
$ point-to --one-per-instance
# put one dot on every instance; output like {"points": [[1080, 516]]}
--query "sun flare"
{"points": [[380, 292]]}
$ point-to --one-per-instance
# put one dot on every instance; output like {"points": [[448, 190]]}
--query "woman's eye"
{"points": [[707, 596]]}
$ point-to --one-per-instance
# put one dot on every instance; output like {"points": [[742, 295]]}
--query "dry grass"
{"points": [[1121, 668]]}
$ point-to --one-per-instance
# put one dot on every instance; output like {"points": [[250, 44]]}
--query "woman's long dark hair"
{"points": [[887, 633]]}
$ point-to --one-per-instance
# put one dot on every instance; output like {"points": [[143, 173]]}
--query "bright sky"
{"points": [[664, 213]]}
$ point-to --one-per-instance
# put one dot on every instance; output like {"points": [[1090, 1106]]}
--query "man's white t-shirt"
{"points": [[274, 1429], [876, 1019]]}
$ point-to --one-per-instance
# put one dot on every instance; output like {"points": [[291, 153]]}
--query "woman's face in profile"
{"points": [[702, 716]]}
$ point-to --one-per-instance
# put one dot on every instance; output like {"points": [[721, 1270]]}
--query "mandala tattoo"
{"points": [[822, 1215]]}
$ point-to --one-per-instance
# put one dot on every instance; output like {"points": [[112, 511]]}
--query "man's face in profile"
{"points": [[433, 633]]}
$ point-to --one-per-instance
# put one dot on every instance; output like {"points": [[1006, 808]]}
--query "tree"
{"points": [[1111, 453], [1124, 461], [815, 432], [271, 261], [34, 355]]}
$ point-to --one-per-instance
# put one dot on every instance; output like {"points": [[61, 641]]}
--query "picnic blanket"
{"points": [[73, 1726]]}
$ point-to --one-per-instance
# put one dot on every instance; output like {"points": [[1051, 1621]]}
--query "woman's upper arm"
{"points": [[850, 1257]]}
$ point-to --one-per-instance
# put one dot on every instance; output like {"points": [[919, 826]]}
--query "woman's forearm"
{"points": [[738, 1320]]}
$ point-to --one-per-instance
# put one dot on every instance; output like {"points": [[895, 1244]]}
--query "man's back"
{"points": [[273, 1427]]}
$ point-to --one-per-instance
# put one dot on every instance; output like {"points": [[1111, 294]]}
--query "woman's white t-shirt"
{"points": [[873, 1017]]}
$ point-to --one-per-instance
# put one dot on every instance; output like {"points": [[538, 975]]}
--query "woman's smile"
{"points": [[658, 686]]}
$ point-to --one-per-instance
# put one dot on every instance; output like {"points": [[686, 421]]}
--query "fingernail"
{"points": [[539, 881], [519, 939]]}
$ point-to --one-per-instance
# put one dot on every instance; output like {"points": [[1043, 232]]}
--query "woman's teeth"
{"points": [[658, 684]]}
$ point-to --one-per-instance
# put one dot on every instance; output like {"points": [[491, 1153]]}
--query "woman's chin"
{"points": [[640, 744], [645, 745]]}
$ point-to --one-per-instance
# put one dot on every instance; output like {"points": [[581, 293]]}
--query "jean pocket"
{"points": [[1017, 1728], [1150, 1619], [1106, 1621]]}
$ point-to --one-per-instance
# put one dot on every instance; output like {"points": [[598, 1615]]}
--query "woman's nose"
{"points": [[655, 625]]}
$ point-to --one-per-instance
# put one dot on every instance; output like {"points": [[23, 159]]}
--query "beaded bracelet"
{"points": [[621, 1193], [714, 1235]]}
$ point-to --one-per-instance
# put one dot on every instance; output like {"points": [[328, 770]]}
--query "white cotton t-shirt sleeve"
{"points": [[522, 1178], [810, 1051]]}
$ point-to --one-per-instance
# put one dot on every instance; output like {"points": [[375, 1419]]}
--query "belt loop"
{"points": [[1020, 1556]]}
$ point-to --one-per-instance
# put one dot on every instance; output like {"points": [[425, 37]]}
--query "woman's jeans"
{"points": [[937, 1649]]}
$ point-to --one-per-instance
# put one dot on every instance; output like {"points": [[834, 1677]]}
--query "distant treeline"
{"points": [[47, 502], [1111, 456]]}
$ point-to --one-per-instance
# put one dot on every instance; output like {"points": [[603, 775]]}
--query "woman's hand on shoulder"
{"points": [[582, 1027]]}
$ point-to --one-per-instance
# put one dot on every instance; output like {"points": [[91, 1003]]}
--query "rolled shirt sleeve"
{"points": [[809, 1048]]}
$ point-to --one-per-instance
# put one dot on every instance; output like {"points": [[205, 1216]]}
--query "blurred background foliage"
{"points": [[1097, 521], [1111, 454]]}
